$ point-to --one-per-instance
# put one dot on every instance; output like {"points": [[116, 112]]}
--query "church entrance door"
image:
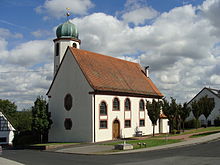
{"points": [[116, 129]]}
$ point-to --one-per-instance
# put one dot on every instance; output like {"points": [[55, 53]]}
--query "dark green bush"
{"points": [[209, 123], [192, 124], [25, 138], [217, 121]]}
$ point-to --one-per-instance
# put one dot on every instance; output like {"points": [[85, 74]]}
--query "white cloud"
{"points": [[25, 71], [57, 8], [5, 33], [31, 53], [41, 33], [140, 15], [137, 12]]}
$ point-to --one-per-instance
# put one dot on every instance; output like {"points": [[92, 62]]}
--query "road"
{"points": [[201, 154]]}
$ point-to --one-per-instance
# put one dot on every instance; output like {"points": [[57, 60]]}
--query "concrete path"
{"points": [[107, 149], [4, 161], [90, 149]]}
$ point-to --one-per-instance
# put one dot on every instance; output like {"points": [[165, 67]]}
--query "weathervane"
{"points": [[67, 13]]}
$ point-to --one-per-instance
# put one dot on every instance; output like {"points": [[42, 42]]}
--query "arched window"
{"points": [[116, 104], [127, 104], [57, 49], [74, 45], [141, 105], [103, 108]]}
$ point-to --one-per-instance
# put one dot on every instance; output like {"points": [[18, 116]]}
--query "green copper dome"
{"points": [[67, 30]]}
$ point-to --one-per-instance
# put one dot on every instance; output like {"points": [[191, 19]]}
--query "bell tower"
{"points": [[67, 35]]}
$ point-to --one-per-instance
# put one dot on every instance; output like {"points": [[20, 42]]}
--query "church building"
{"points": [[94, 97]]}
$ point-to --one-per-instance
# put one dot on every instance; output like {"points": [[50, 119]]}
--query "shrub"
{"points": [[192, 124], [217, 121], [25, 138], [209, 123]]}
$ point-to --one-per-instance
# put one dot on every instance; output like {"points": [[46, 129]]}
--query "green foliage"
{"points": [[206, 105], [184, 113], [171, 110], [23, 120], [25, 138], [217, 121], [192, 124], [8, 109], [203, 106], [41, 121], [168, 112], [196, 111], [153, 110]]}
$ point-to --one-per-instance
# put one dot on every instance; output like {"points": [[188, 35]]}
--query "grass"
{"points": [[149, 142], [204, 134], [192, 131]]}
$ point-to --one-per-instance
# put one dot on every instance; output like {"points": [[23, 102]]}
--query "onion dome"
{"points": [[67, 30]]}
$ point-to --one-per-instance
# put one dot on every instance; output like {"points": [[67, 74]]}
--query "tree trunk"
{"points": [[197, 123], [153, 129], [183, 126]]}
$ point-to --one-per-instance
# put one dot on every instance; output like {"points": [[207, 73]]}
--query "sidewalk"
{"points": [[106, 149], [4, 161]]}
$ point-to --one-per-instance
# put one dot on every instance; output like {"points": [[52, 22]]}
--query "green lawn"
{"points": [[204, 134], [191, 131]]}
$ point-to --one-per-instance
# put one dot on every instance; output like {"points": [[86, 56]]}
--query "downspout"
{"points": [[94, 140]]}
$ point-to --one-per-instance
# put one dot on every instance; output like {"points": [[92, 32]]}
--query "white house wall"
{"points": [[134, 115], [216, 111], [81, 110]]}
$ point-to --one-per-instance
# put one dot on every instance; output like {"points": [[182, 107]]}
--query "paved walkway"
{"points": [[107, 149], [4, 161]]}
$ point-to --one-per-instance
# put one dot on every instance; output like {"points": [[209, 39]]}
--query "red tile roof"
{"points": [[163, 116], [109, 74]]}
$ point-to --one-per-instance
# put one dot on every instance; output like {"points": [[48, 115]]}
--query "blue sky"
{"points": [[179, 39]]}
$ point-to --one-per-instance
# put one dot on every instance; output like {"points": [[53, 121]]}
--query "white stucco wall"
{"points": [[216, 111], [63, 46], [134, 115], [70, 80], [164, 127]]}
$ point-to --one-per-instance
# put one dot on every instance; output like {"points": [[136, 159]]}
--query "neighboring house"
{"points": [[212, 94], [94, 97], [6, 130]]}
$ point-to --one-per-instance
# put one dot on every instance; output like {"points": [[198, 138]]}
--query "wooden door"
{"points": [[116, 129]]}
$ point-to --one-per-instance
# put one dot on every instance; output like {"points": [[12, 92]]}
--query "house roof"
{"points": [[109, 74], [213, 91], [9, 125]]}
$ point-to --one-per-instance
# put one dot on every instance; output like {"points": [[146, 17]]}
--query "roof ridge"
{"points": [[104, 55]]}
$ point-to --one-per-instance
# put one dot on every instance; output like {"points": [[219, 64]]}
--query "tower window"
{"points": [[68, 101], [57, 49], [74, 45], [68, 124]]}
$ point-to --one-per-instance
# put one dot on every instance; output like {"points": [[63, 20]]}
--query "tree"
{"points": [[153, 110], [8, 108], [167, 111], [41, 121], [196, 111], [206, 105], [171, 110], [23, 120], [184, 113]]}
